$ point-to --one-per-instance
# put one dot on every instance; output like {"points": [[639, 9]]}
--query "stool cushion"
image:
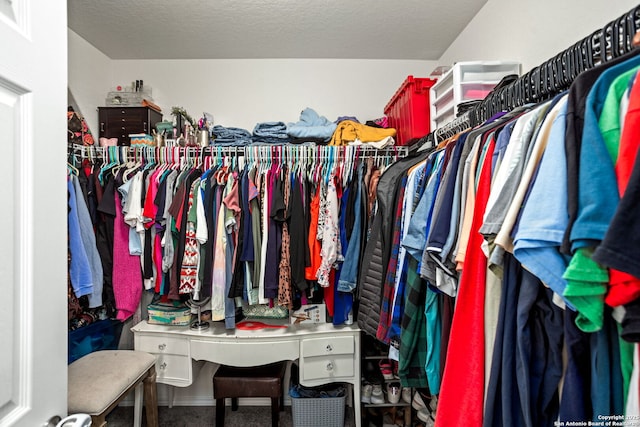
{"points": [[98, 379], [254, 381]]}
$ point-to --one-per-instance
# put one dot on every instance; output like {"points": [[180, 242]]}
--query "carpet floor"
{"points": [[204, 416]]}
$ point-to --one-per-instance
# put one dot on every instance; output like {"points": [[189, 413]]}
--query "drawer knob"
{"points": [[163, 366], [329, 348], [329, 366], [161, 347]]}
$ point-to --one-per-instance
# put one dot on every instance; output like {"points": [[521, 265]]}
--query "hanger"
{"points": [[633, 25], [330, 171], [544, 88], [72, 170], [111, 162], [234, 159], [560, 77], [619, 36], [590, 49]]}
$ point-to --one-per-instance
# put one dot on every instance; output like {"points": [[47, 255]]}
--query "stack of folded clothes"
{"points": [[231, 136], [311, 128], [270, 133], [349, 132]]}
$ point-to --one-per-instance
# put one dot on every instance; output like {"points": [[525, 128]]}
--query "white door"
{"points": [[33, 236]]}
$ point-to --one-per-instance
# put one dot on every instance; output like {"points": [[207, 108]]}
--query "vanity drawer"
{"points": [[163, 345], [317, 368], [328, 346], [244, 353], [172, 369]]}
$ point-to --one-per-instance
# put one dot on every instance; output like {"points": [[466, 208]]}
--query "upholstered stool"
{"points": [[100, 380], [255, 381]]}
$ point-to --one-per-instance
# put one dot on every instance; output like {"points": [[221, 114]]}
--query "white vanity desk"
{"points": [[325, 353]]}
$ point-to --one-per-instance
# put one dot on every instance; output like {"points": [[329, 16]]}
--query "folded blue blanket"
{"points": [[311, 125]]}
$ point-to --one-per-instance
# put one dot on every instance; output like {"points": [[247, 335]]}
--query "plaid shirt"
{"points": [[413, 338], [393, 332], [388, 288]]}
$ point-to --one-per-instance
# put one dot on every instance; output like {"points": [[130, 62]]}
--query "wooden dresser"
{"points": [[119, 122]]}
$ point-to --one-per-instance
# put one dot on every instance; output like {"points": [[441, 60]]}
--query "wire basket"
{"points": [[318, 412]]}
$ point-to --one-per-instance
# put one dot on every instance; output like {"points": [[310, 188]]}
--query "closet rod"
{"points": [[76, 152], [556, 74]]}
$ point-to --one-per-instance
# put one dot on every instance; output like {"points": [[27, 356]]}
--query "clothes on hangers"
{"points": [[487, 229], [237, 234], [85, 268]]}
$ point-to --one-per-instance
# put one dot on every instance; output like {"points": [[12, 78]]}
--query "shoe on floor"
{"points": [[418, 401], [425, 416], [393, 392], [377, 397], [385, 369], [406, 394], [365, 396], [433, 404]]}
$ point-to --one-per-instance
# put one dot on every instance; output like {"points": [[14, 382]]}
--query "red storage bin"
{"points": [[408, 110]]}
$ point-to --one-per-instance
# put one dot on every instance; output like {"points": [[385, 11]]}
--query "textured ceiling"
{"points": [[229, 29]]}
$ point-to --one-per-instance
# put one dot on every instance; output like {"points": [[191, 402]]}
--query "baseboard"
{"points": [[195, 401]]}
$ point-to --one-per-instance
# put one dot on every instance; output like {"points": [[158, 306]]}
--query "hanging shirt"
{"points": [[503, 239], [131, 192], [623, 286], [285, 297], [274, 242], [266, 205], [596, 206], [314, 245], [331, 251], [349, 273], [191, 260], [544, 215], [89, 243], [299, 234], [127, 280], [397, 302], [462, 389], [218, 291], [80, 272]]}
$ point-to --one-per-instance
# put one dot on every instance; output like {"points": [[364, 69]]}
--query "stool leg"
{"points": [[234, 403], [98, 420], [137, 406], [151, 398], [171, 395], [219, 412], [275, 411]]}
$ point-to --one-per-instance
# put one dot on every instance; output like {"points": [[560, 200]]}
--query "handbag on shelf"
{"points": [[77, 129], [263, 311], [169, 314]]}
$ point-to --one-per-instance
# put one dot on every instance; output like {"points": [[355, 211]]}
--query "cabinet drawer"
{"points": [[315, 368], [244, 353], [172, 369], [327, 346], [116, 114], [163, 345], [127, 128]]}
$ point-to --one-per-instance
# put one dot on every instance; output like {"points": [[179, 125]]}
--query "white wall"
{"points": [[531, 32], [89, 77], [241, 93]]}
